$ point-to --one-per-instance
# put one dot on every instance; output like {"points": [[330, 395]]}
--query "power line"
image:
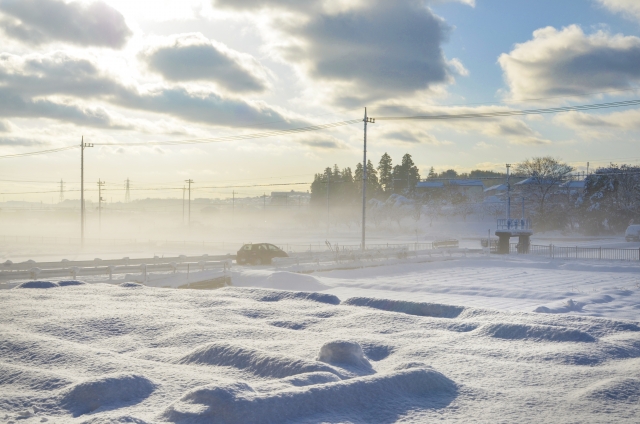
{"points": [[40, 152], [237, 137], [497, 114]]}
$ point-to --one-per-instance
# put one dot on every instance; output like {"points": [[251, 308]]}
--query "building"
{"points": [[471, 189]]}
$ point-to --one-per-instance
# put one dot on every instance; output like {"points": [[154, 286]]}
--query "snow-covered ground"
{"points": [[461, 339]]}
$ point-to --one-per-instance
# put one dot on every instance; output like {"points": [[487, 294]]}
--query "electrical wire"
{"points": [[524, 112], [40, 152]]}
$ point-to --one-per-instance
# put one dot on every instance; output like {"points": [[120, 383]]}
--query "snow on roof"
{"points": [[499, 187], [466, 183], [535, 181], [430, 184], [574, 184]]}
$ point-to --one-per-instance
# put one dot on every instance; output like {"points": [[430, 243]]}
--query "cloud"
{"points": [[52, 86], [569, 62], [628, 8], [193, 57], [628, 120], [44, 21], [20, 141], [514, 130], [363, 51], [411, 136], [320, 141]]}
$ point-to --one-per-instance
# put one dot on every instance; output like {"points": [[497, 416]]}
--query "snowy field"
{"points": [[476, 339]]}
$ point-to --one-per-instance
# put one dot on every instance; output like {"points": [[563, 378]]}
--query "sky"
{"points": [[125, 74]]}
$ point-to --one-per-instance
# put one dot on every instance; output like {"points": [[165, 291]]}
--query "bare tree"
{"points": [[545, 174]]}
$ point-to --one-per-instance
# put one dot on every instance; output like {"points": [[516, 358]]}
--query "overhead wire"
{"points": [[524, 112]]}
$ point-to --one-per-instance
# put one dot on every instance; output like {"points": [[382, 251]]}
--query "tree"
{"points": [[432, 174], [412, 172], [405, 176], [385, 172], [545, 174], [449, 173], [612, 198], [373, 186]]}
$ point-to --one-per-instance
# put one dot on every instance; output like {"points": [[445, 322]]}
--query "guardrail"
{"points": [[585, 253]]}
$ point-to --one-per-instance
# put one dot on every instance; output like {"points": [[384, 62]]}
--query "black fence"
{"points": [[577, 252]]}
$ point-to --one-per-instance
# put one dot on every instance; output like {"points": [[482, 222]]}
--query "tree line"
{"points": [[344, 186]]}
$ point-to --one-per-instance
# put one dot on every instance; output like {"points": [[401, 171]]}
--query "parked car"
{"points": [[259, 253], [632, 233]]}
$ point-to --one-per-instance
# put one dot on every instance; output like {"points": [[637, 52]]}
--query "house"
{"points": [[472, 189], [289, 198], [429, 188]]}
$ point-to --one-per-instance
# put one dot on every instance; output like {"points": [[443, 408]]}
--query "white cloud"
{"points": [[44, 21], [56, 85], [629, 8], [568, 62], [193, 57], [363, 51]]}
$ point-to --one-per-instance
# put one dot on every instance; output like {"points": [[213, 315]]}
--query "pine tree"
{"points": [[385, 169], [432, 173]]}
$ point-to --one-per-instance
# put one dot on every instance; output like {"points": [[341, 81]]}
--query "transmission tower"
{"points": [[61, 191], [127, 196]]}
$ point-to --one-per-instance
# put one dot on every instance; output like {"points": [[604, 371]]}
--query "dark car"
{"points": [[259, 253]]}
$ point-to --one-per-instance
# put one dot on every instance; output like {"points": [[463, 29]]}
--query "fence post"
{"points": [[600, 253]]}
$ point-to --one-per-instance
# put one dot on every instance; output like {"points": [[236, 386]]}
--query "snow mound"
{"points": [[131, 285], [125, 419], [292, 281], [376, 351], [289, 325], [65, 283], [411, 308], [625, 390], [257, 362], [349, 400], [111, 392], [36, 285], [300, 380], [265, 295], [30, 378], [535, 332], [569, 306], [343, 352]]}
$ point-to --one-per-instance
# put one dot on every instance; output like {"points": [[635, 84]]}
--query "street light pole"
{"points": [[189, 181], [83, 145], [366, 121]]}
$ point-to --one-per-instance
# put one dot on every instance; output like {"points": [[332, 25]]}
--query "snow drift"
{"points": [[106, 391], [240, 403], [255, 361], [406, 307]]}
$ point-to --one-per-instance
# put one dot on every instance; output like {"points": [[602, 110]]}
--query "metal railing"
{"points": [[587, 253]]}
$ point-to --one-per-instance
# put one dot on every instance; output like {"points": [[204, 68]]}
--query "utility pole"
{"points": [[189, 181], [127, 196], [61, 191], [83, 145], [183, 193], [587, 169], [364, 177], [100, 184], [328, 184], [508, 195]]}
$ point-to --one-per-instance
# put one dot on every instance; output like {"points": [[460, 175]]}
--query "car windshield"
{"points": [[275, 248]]}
